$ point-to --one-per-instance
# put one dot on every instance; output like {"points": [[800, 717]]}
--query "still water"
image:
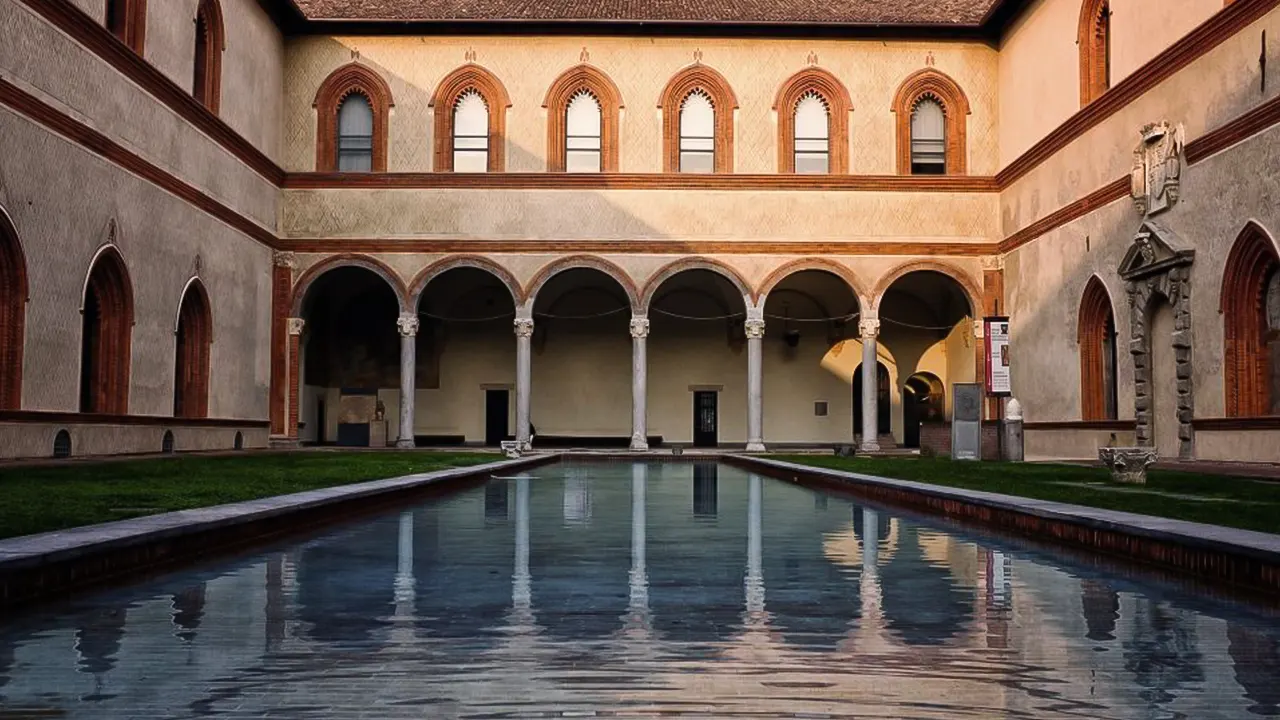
{"points": [[621, 590]]}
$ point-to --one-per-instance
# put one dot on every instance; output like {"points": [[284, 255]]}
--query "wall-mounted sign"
{"points": [[996, 337]]}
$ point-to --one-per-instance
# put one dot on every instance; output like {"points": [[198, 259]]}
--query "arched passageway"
{"points": [[465, 369], [191, 356], [925, 322], [13, 305], [809, 316], [106, 336], [348, 367], [924, 400]]}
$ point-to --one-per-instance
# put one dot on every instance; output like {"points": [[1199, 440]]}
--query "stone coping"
{"points": [[28, 551], [1258, 545]]}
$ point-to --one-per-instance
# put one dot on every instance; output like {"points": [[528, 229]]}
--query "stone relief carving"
{"points": [[296, 325], [1156, 267], [1157, 168], [1128, 465]]}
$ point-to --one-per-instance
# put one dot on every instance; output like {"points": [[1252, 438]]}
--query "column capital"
{"points": [[296, 325], [869, 328], [754, 329], [993, 262], [407, 323], [524, 327], [979, 329], [285, 260], [639, 327]]}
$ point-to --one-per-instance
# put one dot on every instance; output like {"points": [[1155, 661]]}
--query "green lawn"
{"points": [[42, 498], [1234, 502]]}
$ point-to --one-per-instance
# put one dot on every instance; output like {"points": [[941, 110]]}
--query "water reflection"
{"points": [[589, 588]]}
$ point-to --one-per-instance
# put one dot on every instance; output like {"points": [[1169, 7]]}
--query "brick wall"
{"points": [[936, 438]]}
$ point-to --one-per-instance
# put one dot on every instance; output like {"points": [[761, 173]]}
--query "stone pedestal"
{"points": [[1012, 429], [511, 448], [377, 433], [1128, 465]]}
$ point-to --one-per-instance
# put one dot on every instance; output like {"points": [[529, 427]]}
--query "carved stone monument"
{"points": [[966, 422], [1128, 465], [1157, 169]]}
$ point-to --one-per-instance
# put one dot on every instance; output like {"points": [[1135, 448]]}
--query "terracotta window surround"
{"points": [[955, 108], [1095, 317], [341, 83], [109, 344], [570, 83], [13, 312], [211, 40], [454, 86], [1094, 41], [1246, 361], [723, 100], [191, 359], [127, 20], [839, 105]]}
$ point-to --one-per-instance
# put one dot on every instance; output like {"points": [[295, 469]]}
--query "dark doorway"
{"points": [[706, 420], [320, 422], [496, 409], [922, 401], [882, 400]]}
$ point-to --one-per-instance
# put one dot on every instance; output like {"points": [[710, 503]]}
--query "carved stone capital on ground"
{"points": [[1128, 464], [754, 329], [869, 328], [639, 327], [296, 325], [407, 324], [524, 327]]}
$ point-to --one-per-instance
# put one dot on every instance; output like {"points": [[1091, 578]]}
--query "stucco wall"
{"points": [[34, 440], [640, 67], [1039, 59]]}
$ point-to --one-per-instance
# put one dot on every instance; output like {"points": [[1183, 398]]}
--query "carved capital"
{"points": [[296, 325], [639, 327], [993, 262], [979, 329], [285, 260], [754, 329], [869, 328], [407, 324], [524, 327]]}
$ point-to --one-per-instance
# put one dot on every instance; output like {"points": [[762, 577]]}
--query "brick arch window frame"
{"points": [[839, 104], [562, 91], [496, 99], [129, 23], [193, 346], [353, 78], [13, 313], [1094, 40], [940, 87], [211, 41], [108, 279], [723, 100], [1096, 313], [1252, 262]]}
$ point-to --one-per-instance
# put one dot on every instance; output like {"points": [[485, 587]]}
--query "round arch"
{"points": [[470, 77], [377, 267], [839, 105], [1251, 265], [723, 100], [672, 269], [602, 88], [348, 79], [475, 262], [13, 313], [973, 293], [590, 262], [955, 109], [820, 264]]}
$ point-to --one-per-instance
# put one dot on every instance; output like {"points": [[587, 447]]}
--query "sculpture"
{"points": [[1128, 465]]}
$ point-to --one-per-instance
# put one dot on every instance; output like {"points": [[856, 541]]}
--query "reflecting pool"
{"points": [[642, 590]]}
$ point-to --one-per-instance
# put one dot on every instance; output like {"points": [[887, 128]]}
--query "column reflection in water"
{"points": [[755, 577], [637, 618], [521, 581], [869, 581], [405, 593]]}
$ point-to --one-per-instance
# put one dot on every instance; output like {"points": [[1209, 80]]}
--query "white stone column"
{"points": [[639, 383], [408, 326], [869, 329], [755, 380], [524, 378]]}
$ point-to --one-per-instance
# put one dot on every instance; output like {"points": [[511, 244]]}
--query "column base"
{"points": [[756, 446], [283, 442], [869, 447], [639, 443], [406, 443]]}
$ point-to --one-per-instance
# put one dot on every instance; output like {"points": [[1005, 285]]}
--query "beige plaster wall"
{"points": [[35, 440], [61, 200], [640, 214], [640, 67], [1039, 59], [1235, 445], [1072, 444], [48, 64]]}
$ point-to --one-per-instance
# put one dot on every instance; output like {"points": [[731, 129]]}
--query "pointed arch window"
{"points": [[106, 337], [813, 123], [697, 134], [470, 133], [1251, 323], [127, 20], [697, 118], [932, 113], [13, 305], [1098, 359], [191, 357], [352, 109], [928, 138], [1094, 39], [206, 86], [583, 109], [582, 140], [812, 135]]}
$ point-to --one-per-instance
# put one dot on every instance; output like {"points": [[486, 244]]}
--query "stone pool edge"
{"points": [[1243, 558], [36, 566]]}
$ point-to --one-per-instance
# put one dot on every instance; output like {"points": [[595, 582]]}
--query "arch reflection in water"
{"points": [[488, 601]]}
